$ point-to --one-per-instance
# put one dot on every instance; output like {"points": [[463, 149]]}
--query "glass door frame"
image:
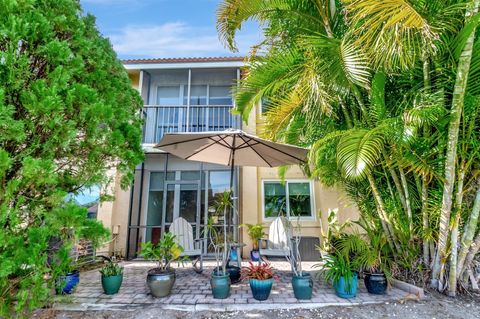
{"points": [[177, 184]]}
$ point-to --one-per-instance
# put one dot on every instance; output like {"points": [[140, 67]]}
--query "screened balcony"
{"points": [[188, 101], [161, 119]]}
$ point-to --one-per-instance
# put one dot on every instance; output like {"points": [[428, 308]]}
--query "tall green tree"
{"points": [[68, 114]]}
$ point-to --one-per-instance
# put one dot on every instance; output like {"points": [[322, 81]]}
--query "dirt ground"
{"points": [[434, 306]]}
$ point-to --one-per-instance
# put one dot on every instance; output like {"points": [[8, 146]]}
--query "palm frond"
{"points": [[340, 60], [231, 14], [394, 33], [358, 151]]}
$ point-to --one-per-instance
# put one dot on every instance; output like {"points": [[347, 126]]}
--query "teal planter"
{"points": [[302, 286], [220, 285], [111, 284], [261, 288], [347, 291]]}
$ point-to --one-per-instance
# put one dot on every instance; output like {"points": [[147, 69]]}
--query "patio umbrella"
{"points": [[231, 147]]}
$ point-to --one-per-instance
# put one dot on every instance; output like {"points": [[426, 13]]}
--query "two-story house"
{"points": [[194, 95]]}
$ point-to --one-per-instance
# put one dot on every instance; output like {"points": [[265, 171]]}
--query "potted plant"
{"points": [[255, 233], [112, 277], [340, 271], [373, 256], [67, 283], [160, 280], [260, 278], [220, 280], [302, 282]]}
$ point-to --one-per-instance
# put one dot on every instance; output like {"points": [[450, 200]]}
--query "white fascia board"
{"points": [[190, 65]]}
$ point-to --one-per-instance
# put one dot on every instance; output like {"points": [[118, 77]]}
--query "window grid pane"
{"points": [[292, 199]]}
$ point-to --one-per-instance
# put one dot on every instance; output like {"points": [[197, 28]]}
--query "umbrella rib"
{"points": [[257, 152], [186, 141], [278, 150]]}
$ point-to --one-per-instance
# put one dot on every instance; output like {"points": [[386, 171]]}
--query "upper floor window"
{"points": [[198, 95], [293, 199], [219, 95], [168, 95]]}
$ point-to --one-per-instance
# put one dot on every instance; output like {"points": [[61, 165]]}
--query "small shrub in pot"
{"points": [[112, 277], [160, 280], [260, 277]]}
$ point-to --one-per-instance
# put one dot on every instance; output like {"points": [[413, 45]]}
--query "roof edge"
{"points": [[184, 60]]}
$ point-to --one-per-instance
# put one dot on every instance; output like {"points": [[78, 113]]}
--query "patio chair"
{"points": [[279, 242], [183, 232]]}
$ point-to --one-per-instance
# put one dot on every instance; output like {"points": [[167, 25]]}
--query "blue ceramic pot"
{"points": [[346, 289], [302, 286], [220, 285], [376, 283], [255, 255], [67, 283], [261, 288]]}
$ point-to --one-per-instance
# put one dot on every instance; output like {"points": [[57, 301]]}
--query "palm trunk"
{"points": [[463, 69], [471, 254], [407, 201], [398, 186], [452, 275], [469, 232], [452, 279], [425, 219], [386, 225]]}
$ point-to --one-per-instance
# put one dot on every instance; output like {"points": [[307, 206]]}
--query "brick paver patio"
{"points": [[192, 289]]}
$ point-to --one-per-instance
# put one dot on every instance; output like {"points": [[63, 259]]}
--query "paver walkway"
{"points": [[192, 289]]}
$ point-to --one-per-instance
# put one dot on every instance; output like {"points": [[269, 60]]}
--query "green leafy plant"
{"points": [[255, 232], [337, 266], [164, 252], [222, 204], [111, 269]]}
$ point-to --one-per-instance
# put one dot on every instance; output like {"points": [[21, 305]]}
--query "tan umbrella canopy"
{"points": [[231, 147]]}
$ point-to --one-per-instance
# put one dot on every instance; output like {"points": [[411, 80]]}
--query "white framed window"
{"points": [[293, 199]]}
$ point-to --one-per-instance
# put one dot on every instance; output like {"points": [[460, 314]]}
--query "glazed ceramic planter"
{"points": [[160, 283], [255, 255], [376, 283], [234, 273], [346, 289], [302, 286], [261, 288], [220, 285], [66, 284], [111, 284]]}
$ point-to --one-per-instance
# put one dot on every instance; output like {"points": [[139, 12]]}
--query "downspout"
{"points": [[130, 208], [139, 206]]}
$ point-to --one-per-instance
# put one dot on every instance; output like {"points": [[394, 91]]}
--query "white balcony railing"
{"points": [[196, 118]]}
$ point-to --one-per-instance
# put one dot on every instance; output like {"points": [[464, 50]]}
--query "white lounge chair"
{"points": [[278, 243], [183, 232]]}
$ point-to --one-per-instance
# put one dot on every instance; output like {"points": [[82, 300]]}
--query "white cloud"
{"points": [[174, 39]]}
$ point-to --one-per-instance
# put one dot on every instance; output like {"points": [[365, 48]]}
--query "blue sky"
{"points": [[165, 28]]}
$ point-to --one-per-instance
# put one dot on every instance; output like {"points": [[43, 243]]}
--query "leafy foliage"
{"points": [[164, 252], [111, 269], [68, 115], [255, 232], [261, 271]]}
